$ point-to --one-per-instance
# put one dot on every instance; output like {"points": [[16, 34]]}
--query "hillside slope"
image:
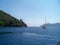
{"points": [[6, 20]]}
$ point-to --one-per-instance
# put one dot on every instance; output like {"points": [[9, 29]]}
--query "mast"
{"points": [[45, 19]]}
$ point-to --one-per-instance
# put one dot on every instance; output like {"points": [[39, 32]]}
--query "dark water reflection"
{"points": [[29, 36]]}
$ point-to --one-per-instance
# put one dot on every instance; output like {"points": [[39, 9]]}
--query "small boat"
{"points": [[43, 27]]}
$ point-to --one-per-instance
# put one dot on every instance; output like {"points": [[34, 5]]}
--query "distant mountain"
{"points": [[6, 20], [51, 25]]}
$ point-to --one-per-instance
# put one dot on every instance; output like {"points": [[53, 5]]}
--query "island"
{"points": [[51, 25], [7, 20]]}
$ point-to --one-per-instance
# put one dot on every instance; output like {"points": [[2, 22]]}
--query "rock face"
{"points": [[6, 20]]}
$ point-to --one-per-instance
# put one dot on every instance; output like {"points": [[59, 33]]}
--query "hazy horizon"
{"points": [[33, 12]]}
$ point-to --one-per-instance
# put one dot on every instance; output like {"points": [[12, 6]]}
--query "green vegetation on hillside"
{"points": [[6, 20]]}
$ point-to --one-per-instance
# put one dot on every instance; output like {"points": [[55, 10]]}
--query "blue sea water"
{"points": [[29, 36]]}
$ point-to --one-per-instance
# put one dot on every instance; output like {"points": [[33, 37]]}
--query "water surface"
{"points": [[29, 36]]}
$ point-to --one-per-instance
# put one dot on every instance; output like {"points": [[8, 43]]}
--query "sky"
{"points": [[33, 12]]}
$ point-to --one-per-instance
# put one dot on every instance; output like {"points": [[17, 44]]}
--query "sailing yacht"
{"points": [[44, 26]]}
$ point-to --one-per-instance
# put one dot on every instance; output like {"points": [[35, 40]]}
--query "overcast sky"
{"points": [[33, 12]]}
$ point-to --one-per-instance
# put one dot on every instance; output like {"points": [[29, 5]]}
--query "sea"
{"points": [[29, 36]]}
